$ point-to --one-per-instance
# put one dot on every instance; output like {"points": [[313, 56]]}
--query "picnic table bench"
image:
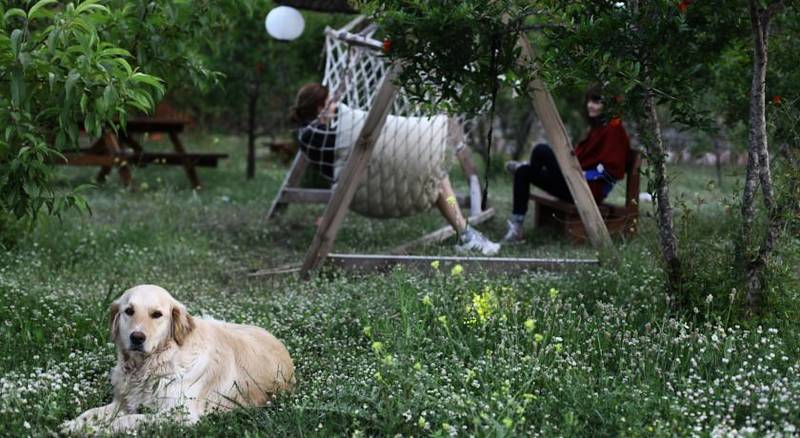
{"points": [[123, 151]]}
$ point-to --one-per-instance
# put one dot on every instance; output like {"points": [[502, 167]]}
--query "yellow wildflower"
{"points": [[482, 307], [435, 264], [530, 325], [457, 270]]}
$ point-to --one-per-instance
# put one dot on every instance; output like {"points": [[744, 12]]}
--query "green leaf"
{"points": [[69, 85], [33, 13], [148, 79], [17, 88], [109, 97], [90, 5], [114, 51], [84, 103], [15, 12], [16, 41]]}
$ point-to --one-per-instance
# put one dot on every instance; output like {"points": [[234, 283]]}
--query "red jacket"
{"points": [[607, 144]]}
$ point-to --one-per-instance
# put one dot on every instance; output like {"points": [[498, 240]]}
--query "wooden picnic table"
{"points": [[123, 151]]}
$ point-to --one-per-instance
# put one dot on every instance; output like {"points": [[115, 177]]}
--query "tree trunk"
{"points": [[650, 132], [252, 108], [666, 225], [758, 169]]}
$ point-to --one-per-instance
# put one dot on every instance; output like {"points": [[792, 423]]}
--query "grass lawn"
{"points": [[588, 352]]}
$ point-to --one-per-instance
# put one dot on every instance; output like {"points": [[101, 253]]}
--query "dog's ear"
{"points": [[113, 320], [182, 323]]}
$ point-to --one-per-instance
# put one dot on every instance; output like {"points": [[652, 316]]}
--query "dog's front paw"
{"points": [[84, 425], [76, 427]]}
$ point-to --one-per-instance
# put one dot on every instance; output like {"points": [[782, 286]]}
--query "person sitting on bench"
{"points": [[314, 112], [601, 155]]}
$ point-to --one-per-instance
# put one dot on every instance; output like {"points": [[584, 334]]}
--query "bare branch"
{"points": [[774, 8]]}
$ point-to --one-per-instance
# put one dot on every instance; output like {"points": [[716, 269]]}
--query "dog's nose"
{"points": [[137, 338]]}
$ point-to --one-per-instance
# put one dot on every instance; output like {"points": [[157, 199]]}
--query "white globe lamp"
{"points": [[284, 23]]}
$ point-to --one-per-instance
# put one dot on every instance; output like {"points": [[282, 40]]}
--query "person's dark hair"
{"points": [[309, 100], [594, 93]]}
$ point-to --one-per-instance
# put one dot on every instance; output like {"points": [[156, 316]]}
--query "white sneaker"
{"points": [[514, 234], [471, 240]]}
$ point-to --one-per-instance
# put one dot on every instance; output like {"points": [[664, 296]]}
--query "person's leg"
{"points": [[549, 177], [523, 178], [469, 238], [448, 206], [534, 172]]}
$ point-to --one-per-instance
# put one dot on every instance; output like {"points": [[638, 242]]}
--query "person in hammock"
{"points": [[602, 156], [313, 114]]}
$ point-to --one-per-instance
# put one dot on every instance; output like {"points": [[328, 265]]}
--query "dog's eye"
{"points": [[129, 311], [156, 314]]}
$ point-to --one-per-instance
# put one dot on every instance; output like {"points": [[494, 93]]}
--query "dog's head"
{"points": [[146, 318]]}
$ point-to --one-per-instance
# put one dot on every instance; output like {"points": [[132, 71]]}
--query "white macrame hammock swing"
{"points": [[411, 156]]}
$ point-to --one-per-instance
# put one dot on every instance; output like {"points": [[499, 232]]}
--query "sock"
{"points": [[517, 219]]}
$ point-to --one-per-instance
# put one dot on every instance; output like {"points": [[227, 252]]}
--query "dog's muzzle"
{"points": [[137, 341]]}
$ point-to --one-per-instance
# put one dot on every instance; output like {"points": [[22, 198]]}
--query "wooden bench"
{"points": [[124, 151], [620, 219]]}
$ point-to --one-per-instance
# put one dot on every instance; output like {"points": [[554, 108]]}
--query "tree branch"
{"points": [[774, 8]]}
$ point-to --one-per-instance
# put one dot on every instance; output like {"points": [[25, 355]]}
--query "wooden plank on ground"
{"points": [[381, 262], [352, 173], [442, 233], [288, 268], [559, 140]]}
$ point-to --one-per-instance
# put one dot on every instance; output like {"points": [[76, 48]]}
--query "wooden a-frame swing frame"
{"points": [[340, 197]]}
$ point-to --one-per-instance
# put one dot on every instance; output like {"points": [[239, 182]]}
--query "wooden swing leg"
{"points": [[546, 109], [292, 179], [351, 174]]}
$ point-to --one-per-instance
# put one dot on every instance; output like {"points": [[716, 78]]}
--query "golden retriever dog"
{"points": [[169, 361]]}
